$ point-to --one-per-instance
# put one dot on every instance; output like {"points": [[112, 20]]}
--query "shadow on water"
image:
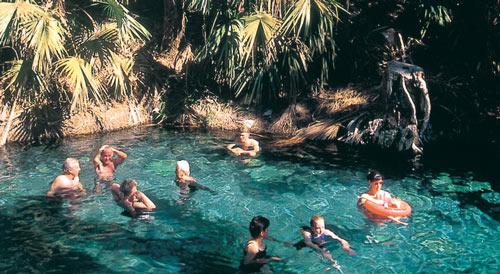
{"points": [[31, 234], [43, 235]]}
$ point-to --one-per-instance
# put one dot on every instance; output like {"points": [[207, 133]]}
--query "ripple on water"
{"points": [[204, 233]]}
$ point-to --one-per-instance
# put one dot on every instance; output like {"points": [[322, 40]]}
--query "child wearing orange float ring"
{"points": [[378, 196]]}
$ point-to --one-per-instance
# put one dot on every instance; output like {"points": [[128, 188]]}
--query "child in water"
{"points": [[255, 251], [316, 235]]}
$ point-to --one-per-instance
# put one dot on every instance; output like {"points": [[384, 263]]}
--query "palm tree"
{"points": [[57, 60], [271, 50]]}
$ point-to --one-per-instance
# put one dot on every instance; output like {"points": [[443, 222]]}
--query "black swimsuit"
{"points": [[253, 267]]}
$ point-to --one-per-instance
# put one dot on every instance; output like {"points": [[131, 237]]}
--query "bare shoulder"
{"points": [[252, 247]]}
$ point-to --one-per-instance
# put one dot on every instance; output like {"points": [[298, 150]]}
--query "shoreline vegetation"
{"points": [[398, 76]]}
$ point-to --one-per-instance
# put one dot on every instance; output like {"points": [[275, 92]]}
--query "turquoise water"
{"points": [[449, 231]]}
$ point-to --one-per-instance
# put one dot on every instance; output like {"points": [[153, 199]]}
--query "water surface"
{"points": [[454, 227]]}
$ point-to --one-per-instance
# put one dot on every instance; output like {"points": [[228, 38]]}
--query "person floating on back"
{"points": [[184, 180], [129, 198], [255, 251], [67, 185], [378, 196], [317, 235], [105, 165]]}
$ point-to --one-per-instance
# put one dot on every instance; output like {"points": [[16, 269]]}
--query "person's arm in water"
{"points": [[344, 243], [367, 197], [251, 251], [231, 148], [396, 220], [53, 191], [307, 240], [252, 152], [144, 202], [121, 156]]}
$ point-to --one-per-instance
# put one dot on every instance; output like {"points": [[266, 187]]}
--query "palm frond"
{"points": [[120, 79], [78, 77], [101, 43], [222, 50], [45, 38], [20, 83], [257, 34], [13, 18], [129, 28]]}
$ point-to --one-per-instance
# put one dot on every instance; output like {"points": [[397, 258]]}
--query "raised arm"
{"points": [[97, 158], [144, 202], [121, 156]]}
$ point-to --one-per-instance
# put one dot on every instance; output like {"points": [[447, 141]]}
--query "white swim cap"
{"points": [[184, 166]]}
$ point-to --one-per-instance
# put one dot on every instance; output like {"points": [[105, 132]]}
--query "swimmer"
{"points": [[67, 185], [129, 198], [184, 180], [316, 235], [255, 251], [378, 196], [244, 146], [105, 165]]}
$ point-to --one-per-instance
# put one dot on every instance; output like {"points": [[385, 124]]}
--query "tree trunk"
{"points": [[5, 133], [172, 20]]}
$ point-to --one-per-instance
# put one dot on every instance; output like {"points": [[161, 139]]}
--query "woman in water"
{"points": [[255, 252], [129, 198], [184, 180], [378, 196]]}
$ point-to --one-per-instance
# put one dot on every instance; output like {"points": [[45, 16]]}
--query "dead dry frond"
{"points": [[212, 113], [320, 130], [332, 102]]}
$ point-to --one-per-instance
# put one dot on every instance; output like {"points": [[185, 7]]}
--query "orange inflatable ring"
{"points": [[380, 210]]}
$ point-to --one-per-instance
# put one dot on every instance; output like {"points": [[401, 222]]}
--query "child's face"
{"points": [[318, 227]]}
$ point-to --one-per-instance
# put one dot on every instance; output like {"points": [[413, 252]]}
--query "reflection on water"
{"points": [[454, 227]]}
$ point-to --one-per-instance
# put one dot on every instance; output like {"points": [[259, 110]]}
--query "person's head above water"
{"points": [[374, 175], [375, 180], [258, 226], [243, 137], [128, 187], [182, 168], [317, 224], [71, 166], [106, 154]]}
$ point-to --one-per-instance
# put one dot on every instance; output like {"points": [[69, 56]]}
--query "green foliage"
{"points": [[82, 55], [270, 51]]}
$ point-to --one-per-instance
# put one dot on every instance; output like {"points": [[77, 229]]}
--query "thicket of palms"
{"points": [[66, 56], [268, 52]]}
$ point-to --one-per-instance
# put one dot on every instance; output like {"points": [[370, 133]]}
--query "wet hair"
{"points": [[315, 219], [69, 164], [373, 175], [257, 225], [127, 185]]}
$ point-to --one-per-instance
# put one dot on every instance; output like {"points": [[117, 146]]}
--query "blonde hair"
{"points": [[315, 219]]}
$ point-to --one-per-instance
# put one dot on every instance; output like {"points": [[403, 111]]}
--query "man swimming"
{"points": [[67, 185], [105, 165], [244, 146]]}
